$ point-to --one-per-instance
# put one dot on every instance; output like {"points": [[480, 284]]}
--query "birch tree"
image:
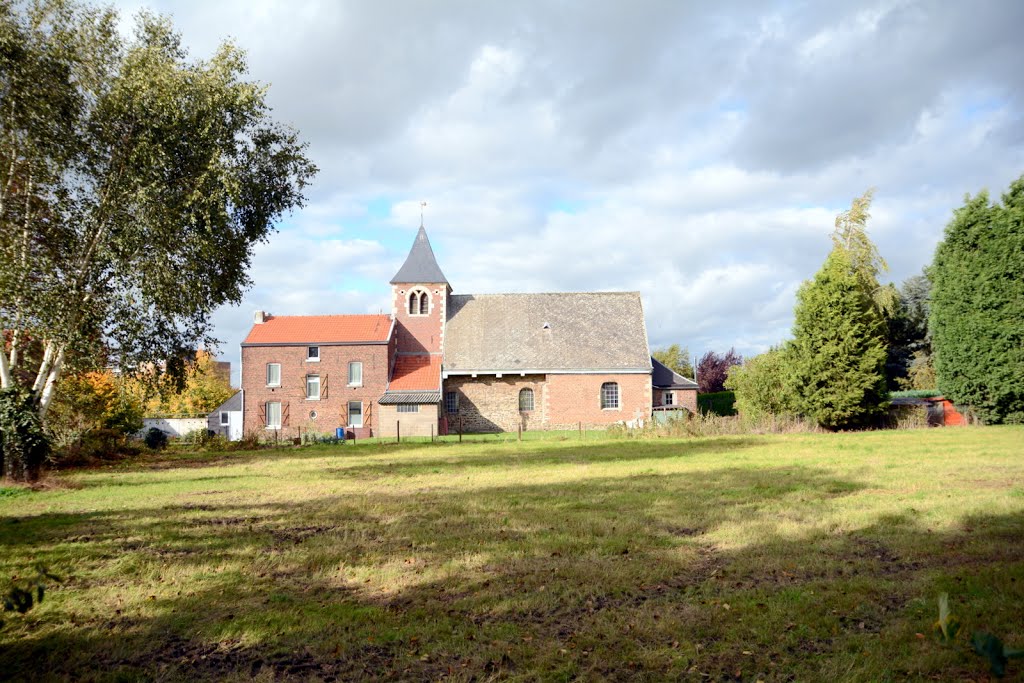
{"points": [[134, 184]]}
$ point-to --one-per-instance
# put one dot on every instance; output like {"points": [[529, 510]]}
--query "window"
{"points": [[424, 304], [669, 399], [355, 374], [610, 396], [273, 415], [419, 302], [525, 400], [355, 414], [408, 408], [414, 306], [273, 374], [225, 418], [451, 402], [313, 387], [312, 415], [313, 354]]}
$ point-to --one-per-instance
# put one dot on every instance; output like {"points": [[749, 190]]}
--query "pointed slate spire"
{"points": [[420, 265]]}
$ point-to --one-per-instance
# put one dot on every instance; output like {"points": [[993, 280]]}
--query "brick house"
{"points": [[441, 362], [672, 389]]}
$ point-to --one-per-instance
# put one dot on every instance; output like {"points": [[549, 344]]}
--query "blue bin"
{"points": [[339, 433]]}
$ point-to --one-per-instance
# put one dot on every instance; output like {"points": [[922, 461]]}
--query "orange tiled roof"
{"points": [[416, 373], [320, 329]]}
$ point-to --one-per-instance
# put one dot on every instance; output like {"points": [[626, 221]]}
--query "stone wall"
{"points": [[421, 423], [491, 404]]}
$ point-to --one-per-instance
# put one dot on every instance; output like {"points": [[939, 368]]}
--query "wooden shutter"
{"points": [[323, 386], [263, 414], [284, 414]]}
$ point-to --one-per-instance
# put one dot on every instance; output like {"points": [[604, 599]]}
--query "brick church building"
{"points": [[442, 361]]}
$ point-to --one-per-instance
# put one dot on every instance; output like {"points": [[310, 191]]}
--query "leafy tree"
{"points": [[838, 350], [204, 389], [909, 340], [88, 403], [134, 185], [763, 385], [676, 358], [714, 368], [977, 306]]}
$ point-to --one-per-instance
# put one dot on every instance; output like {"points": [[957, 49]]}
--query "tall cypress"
{"points": [[838, 350], [977, 307]]}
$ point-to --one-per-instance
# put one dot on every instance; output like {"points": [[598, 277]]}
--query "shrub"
{"points": [[718, 403], [763, 386], [155, 439]]}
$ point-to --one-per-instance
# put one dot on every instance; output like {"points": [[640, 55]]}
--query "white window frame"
{"points": [[225, 418], [271, 424], [310, 397], [354, 403], [668, 398], [310, 358], [355, 364], [618, 397], [532, 404], [419, 294], [408, 407], [278, 382]]}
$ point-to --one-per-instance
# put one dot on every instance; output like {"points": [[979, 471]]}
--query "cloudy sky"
{"points": [[695, 151]]}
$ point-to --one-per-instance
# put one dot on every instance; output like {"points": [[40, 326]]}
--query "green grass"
{"points": [[795, 557]]}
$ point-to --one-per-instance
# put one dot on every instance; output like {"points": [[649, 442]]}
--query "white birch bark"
{"points": [[6, 381], [44, 369], [51, 384]]}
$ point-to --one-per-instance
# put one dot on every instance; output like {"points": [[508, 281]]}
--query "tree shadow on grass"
{"points": [[606, 578]]}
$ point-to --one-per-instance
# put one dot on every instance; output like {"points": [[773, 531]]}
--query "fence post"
{"points": [[520, 432], [581, 429], [398, 430], [431, 433], [460, 429]]}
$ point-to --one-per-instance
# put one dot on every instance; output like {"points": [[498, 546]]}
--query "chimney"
{"points": [[259, 317]]}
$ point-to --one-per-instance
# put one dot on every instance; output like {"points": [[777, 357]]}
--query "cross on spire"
{"points": [[423, 205]]}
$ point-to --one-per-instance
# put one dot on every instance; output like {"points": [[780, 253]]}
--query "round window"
{"points": [[312, 415]]}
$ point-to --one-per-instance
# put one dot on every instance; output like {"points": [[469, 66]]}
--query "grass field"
{"points": [[796, 557]]}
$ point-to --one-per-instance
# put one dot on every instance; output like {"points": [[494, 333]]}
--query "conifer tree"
{"points": [[977, 307]]}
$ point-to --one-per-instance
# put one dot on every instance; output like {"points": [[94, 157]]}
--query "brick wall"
{"points": [[332, 408], [491, 404], [422, 423], [571, 399], [420, 333], [683, 397]]}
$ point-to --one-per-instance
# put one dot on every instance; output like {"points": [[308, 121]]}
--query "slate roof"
{"points": [[416, 373], [420, 265], [232, 404], [664, 377], [399, 397], [320, 329], [506, 332]]}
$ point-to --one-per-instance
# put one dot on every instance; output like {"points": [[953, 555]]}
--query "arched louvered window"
{"points": [[525, 400], [610, 395], [424, 304], [413, 303]]}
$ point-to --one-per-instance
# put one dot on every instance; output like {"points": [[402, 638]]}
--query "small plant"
{"points": [[155, 439], [947, 625], [24, 594], [990, 647]]}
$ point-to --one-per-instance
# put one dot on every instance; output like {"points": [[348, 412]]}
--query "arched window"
{"points": [[525, 400], [424, 304], [610, 396], [413, 303]]}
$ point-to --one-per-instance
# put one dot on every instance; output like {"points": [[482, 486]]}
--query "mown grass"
{"points": [[775, 557]]}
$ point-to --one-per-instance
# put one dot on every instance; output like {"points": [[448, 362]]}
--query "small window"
{"points": [[424, 304], [355, 414], [225, 418], [313, 354], [610, 396], [525, 400], [312, 415], [451, 402], [313, 387], [273, 374], [273, 415], [414, 303], [669, 399], [408, 408], [355, 374]]}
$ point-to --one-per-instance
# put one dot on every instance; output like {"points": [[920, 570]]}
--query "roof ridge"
{"points": [[331, 315], [604, 293]]}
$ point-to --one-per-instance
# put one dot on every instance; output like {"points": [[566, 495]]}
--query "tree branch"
{"points": [[51, 384]]}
